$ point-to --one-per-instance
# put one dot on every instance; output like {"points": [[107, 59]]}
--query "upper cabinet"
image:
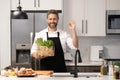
{"points": [[88, 14], [38, 4], [113, 4], [95, 18]]}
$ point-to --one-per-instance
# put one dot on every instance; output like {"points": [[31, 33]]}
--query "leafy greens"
{"points": [[41, 42]]}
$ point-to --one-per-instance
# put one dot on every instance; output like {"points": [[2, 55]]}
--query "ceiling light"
{"points": [[19, 14]]}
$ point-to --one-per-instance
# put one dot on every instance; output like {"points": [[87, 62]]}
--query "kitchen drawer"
{"points": [[85, 68]]}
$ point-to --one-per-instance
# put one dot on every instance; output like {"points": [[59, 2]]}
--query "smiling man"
{"points": [[61, 40]]}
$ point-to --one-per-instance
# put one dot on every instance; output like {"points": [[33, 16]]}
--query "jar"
{"points": [[116, 72], [116, 75]]}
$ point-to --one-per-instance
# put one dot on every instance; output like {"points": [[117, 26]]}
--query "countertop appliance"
{"points": [[96, 53], [113, 21]]}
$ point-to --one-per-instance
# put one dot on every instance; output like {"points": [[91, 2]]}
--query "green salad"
{"points": [[41, 42]]}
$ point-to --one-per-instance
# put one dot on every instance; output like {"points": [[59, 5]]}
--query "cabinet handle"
{"points": [[82, 25], [86, 26], [38, 3], [34, 3]]}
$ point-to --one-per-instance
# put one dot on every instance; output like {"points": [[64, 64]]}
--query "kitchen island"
{"points": [[62, 76]]}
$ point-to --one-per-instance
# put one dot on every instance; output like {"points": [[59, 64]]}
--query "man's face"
{"points": [[52, 21]]}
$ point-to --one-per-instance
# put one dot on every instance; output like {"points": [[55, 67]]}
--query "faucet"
{"points": [[75, 71]]}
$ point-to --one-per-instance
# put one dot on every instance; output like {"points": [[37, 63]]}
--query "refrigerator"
{"points": [[21, 40]]}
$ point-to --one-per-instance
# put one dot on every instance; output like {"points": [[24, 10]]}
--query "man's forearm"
{"points": [[75, 39]]}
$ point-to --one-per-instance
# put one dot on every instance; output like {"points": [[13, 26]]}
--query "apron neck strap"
{"points": [[58, 34]]}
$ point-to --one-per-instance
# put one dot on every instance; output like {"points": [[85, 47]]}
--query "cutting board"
{"points": [[44, 72]]}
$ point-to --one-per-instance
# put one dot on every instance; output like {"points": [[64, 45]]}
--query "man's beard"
{"points": [[52, 25]]}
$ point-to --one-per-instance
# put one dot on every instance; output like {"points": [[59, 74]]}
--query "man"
{"points": [[61, 39]]}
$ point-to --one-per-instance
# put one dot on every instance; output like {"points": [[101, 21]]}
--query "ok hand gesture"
{"points": [[72, 25]]}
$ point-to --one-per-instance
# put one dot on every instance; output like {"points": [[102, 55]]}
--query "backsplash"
{"points": [[108, 41]]}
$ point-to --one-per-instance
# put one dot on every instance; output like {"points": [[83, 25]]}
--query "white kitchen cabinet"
{"points": [[95, 17], [51, 4], [5, 56], [88, 14], [37, 4], [113, 4]]}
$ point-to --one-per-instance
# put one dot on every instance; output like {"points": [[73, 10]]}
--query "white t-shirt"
{"points": [[65, 38]]}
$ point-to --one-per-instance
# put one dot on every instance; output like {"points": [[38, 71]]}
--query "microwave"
{"points": [[113, 21]]}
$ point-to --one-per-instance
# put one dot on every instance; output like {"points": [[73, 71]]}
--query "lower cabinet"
{"points": [[85, 68]]}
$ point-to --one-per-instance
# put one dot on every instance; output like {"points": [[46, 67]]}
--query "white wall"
{"points": [[5, 59]]}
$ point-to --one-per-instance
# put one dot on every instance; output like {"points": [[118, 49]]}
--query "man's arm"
{"points": [[72, 27]]}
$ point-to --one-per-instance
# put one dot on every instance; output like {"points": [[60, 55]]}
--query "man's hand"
{"points": [[37, 56], [72, 25]]}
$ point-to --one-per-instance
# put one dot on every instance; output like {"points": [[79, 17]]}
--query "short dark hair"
{"points": [[52, 11]]}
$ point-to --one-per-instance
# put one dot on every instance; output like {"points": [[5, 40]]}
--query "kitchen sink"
{"points": [[79, 75]]}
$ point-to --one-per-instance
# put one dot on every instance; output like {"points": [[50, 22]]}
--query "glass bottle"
{"points": [[110, 68], [104, 68]]}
